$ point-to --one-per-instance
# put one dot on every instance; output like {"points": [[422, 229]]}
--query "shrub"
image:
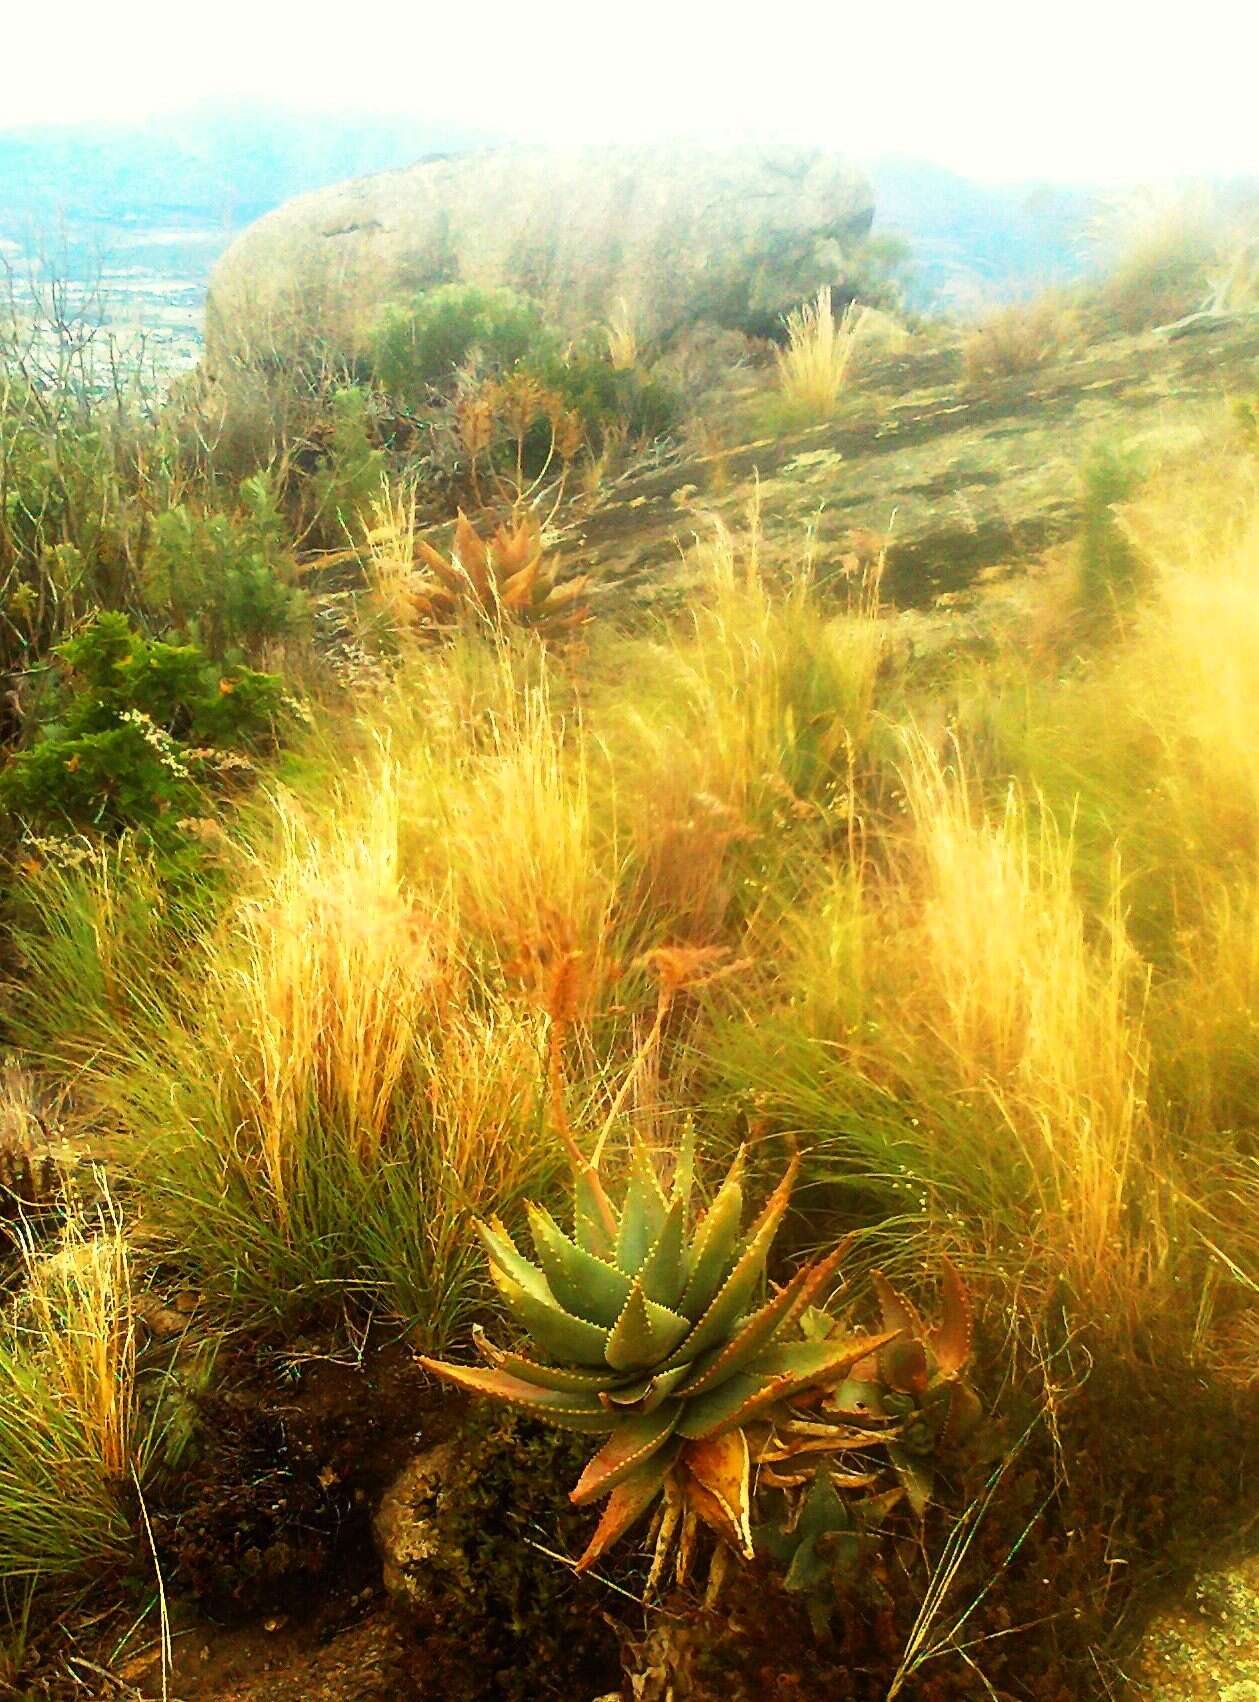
{"points": [[1019, 337], [417, 348], [223, 581], [141, 725], [350, 473], [604, 395]]}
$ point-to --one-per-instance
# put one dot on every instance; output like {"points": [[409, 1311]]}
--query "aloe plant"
{"points": [[908, 1397], [650, 1332]]}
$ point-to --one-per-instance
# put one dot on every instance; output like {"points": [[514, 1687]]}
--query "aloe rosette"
{"points": [[653, 1333]]}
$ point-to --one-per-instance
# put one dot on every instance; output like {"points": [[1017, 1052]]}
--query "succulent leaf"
{"points": [[556, 1332], [594, 1224], [776, 1376], [564, 1409], [643, 1215], [720, 1469], [507, 1259], [754, 1334], [898, 1312], [531, 1371], [635, 1439], [903, 1366], [628, 1502], [917, 1475], [712, 1250], [582, 1283], [723, 1408], [732, 1297], [684, 1172], [644, 1333], [950, 1341], [646, 1393], [664, 1269]]}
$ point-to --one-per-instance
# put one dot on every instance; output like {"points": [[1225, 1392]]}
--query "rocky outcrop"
{"points": [[680, 235], [947, 479]]}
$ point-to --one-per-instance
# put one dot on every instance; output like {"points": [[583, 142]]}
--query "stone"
{"points": [[1208, 1645], [405, 1526], [679, 235]]}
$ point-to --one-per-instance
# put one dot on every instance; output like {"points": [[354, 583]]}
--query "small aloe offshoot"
{"points": [[908, 1396], [649, 1331]]}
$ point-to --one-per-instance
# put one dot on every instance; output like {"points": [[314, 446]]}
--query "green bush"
{"points": [[138, 728], [350, 473], [225, 581], [417, 350], [602, 394], [419, 346]]}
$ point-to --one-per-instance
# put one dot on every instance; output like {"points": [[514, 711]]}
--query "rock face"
{"points": [[680, 235], [405, 1526], [949, 479]]}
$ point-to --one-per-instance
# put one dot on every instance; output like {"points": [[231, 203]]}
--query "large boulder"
{"points": [[732, 237]]}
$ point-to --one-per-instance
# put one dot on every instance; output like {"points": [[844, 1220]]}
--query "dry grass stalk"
{"points": [[813, 368], [622, 338], [1022, 336], [80, 1302]]}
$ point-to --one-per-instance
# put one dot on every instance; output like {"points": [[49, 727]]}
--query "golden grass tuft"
{"points": [[1021, 336], [72, 1442], [622, 338], [813, 369]]}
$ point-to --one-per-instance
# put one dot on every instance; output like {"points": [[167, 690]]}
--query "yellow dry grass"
{"points": [[1020, 336], [80, 1302], [813, 368], [622, 337]]}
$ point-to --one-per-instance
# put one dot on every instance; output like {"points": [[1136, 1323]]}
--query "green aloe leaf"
{"points": [[635, 1439], [664, 1269], [724, 1407], [774, 1377], [684, 1172], [591, 1213], [732, 1297], [713, 1248], [757, 1332], [506, 1257], [817, 1364], [643, 1215], [582, 1283], [593, 1382], [557, 1333], [644, 1333], [645, 1393]]}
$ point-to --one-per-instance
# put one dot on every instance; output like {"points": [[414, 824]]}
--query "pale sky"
{"points": [[1112, 89]]}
